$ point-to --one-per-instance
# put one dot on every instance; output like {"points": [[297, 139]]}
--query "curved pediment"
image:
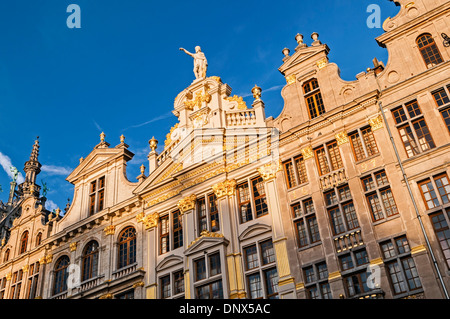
{"points": [[169, 261], [254, 230], [205, 241]]}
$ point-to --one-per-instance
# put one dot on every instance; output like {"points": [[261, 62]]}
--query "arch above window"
{"points": [[61, 274], [127, 247], [429, 50], [90, 261]]}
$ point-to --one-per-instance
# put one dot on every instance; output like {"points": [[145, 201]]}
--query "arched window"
{"points": [[38, 239], [23, 242], [61, 274], [313, 98], [6, 258], [90, 261], [429, 50], [127, 247]]}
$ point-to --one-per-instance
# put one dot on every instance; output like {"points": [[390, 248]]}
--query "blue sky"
{"points": [[120, 72]]}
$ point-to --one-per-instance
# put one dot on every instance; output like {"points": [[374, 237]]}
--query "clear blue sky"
{"points": [[123, 69]]}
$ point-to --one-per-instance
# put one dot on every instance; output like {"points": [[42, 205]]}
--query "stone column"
{"points": [[225, 192], [150, 223], [286, 282], [187, 206]]}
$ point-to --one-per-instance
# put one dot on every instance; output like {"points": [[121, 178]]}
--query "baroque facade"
{"points": [[344, 195]]}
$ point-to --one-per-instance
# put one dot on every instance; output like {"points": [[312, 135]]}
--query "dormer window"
{"points": [[313, 98], [96, 195], [429, 50]]}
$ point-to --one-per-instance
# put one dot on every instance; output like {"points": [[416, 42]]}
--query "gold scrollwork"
{"points": [[224, 188], [187, 203]]}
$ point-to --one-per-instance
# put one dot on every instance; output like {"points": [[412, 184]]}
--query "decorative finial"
{"points": [[286, 52], [102, 137], [57, 211], [122, 139], [153, 143], [81, 159], [315, 37], [299, 38], [142, 169], [256, 92]]}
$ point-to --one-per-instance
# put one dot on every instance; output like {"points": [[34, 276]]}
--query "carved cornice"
{"points": [[225, 188], [187, 203]]}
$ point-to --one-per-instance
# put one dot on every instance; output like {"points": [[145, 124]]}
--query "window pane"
{"points": [[443, 187], [357, 146], [423, 134], [369, 141], [290, 175], [255, 287], [214, 264], [441, 97], [396, 277], [301, 169], [322, 161], [251, 257], [268, 253], [408, 140], [335, 155]]}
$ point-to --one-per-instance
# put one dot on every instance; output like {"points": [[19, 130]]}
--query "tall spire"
{"points": [[32, 166]]}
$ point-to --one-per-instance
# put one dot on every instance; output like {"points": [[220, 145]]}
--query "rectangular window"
{"points": [[313, 98], [316, 281], [428, 190], [33, 277], [259, 195], [260, 273], [441, 97], [178, 282], [442, 231], [363, 143], [201, 215], [200, 269], [164, 234], [306, 226], [177, 229], [400, 265], [213, 212], [165, 287], [97, 195], [328, 158], [379, 196], [212, 290], [245, 208], [341, 211], [412, 128]]}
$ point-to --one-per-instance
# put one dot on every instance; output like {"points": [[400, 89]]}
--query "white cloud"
{"points": [[6, 164], [158, 118], [55, 170], [50, 205], [273, 88]]}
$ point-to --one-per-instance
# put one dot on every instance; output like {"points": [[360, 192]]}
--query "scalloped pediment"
{"points": [[168, 262], [254, 230]]}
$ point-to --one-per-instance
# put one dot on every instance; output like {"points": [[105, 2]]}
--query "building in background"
{"points": [[332, 199]]}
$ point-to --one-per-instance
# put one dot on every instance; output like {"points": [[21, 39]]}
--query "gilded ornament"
{"points": [[216, 78], [206, 233], [269, 171], [307, 152], [225, 188], [149, 221], [109, 230], [153, 142], [290, 79], [169, 136], [187, 203], [341, 138], [256, 92], [73, 246], [190, 104], [240, 101], [376, 123], [322, 63]]}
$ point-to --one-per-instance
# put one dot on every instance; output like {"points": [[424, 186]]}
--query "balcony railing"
{"points": [[90, 283], [333, 179], [123, 272], [241, 118], [348, 241]]}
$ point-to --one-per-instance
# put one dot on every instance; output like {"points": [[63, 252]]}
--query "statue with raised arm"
{"points": [[200, 62], [15, 173]]}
